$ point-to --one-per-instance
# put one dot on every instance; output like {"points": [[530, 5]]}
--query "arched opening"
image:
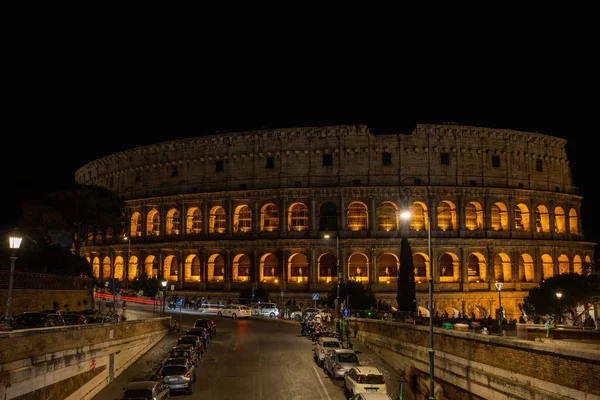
{"points": [[172, 227], [106, 268], [418, 216], [559, 220], [522, 217], [526, 268], [547, 267], [136, 224], [96, 267], [446, 215], [269, 218], [564, 267], [573, 222], [358, 216], [473, 216], [422, 311], [241, 268], [476, 268], [298, 268], [451, 312], [387, 270], [193, 221], [171, 268], [421, 264], [269, 268], [499, 216], [328, 271], [358, 268], [119, 268], [132, 272], [192, 268], [328, 216], [298, 217], [216, 268], [577, 265], [502, 268], [242, 219], [542, 219], [448, 268], [151, 267], [387, 215], [216, 221], [153, 223]]}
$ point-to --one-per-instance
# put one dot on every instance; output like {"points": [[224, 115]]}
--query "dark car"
{"points": [[146, 390], [191, 340], [30, 319], [185, 351], [209, 324]]}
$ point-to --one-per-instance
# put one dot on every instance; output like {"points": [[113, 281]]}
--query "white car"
{"points": [[371, 396], [339, 361], [364, 379], [266, 310], [235, 311], [323, 347], [299, 314]]}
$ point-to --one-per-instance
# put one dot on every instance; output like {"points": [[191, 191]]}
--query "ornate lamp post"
{"points": [[164, 286], [127, 260], [14, 242], [406, 215], [339, 274], [559, 297], [500, 315]]}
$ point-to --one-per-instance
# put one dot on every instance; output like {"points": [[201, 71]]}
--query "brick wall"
{"points": [[37, 300]]}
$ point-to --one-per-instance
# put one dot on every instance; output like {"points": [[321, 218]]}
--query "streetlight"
{"points": [[164, 285], [127, 260], [14, 242], [559, 296], [406, 215], [500, 315], [339, 275]]}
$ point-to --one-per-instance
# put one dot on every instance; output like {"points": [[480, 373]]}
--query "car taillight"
{"points": [[358, 380], [382, 379], [187, 374], [338, 367]]}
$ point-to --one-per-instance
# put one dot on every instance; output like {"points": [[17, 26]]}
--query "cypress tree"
{"points": [[406, 296]]}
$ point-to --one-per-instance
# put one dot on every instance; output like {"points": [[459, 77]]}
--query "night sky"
{"points": [[61, 124]]}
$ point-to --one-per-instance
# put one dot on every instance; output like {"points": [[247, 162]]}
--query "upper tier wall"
{"points": [[447, 155]]}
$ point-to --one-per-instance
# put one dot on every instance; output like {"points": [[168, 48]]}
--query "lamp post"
{"points": [[164, 286], [559, 296], [406, 215], [127, 261], [339, 276], [14, 242], [500, 315]]}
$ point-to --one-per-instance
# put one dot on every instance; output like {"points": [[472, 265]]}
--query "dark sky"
{"points": [[60, 119]]}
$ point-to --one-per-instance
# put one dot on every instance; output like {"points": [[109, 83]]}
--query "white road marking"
{"points": [[322, 385]]}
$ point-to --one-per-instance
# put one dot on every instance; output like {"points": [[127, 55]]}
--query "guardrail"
{"points": [[32, 280]]}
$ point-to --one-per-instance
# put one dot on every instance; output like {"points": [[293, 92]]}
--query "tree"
{"points": [[406, 297], [150, 286], [577, 290], [361, 298], [260, 294]]}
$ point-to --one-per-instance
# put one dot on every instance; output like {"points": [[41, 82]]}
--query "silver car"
{"points": [[178, 374], [339, 361]]}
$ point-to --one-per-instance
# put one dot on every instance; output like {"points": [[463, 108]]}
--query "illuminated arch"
{"points": [[559, 220], [421, 264], [298, 217], [119, 268], [269, 268], [526, 268], [242, 219], [542, 219], [171, 268], [502, 268], [564, 267], [192, 268], [136, 224], [173, 222], [96, 267], [298, 270], [132, 267], [573, 222], [522, 218], [499, 216], [216, 268], [473, 216], [547, 266], [193, 221], [448, 267], [217, 221], [446, 215], [387, 214], [106, 268], [476, 268], [153, 223], [577, 265], [357, 216], [242, 268], [328, 269], [419, 217], [358, 268], [151, 267], [269, 218], [387, 268]]}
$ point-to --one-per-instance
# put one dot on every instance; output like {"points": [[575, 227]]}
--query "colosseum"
{"points": [[288, 208]]}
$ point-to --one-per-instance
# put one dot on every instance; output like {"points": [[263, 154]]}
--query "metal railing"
{"points": [[31, 280]]}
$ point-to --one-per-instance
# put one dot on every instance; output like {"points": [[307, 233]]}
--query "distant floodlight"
{"points": [[405, 214]]}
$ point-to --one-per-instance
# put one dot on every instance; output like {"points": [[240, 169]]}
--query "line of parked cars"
{"points": [[49, 318], [177, 373]]}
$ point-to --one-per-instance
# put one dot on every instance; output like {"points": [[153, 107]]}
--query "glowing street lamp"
{"points": [[559, 297], [14, 242], [164, 286]]}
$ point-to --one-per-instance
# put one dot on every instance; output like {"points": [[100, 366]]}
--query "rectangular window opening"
{"points": [[327, 160], [496, 161], [539, 165], [270, 162], [445, 158], [386, 158], [219, 166]]}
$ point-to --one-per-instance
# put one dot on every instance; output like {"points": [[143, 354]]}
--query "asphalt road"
{"points": [[254, 359]]}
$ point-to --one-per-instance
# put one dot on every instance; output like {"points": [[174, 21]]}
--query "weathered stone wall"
{"points": [[487, 367], [37, 300]]}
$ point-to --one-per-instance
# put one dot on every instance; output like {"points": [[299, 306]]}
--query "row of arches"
{"points": [[357, 267], [357, 218]]}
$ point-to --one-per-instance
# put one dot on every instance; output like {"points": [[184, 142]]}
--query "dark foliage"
{"points": [[361, 297], [406, 296]]}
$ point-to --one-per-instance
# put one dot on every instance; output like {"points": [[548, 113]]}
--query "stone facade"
{"points": [[222, 213]]}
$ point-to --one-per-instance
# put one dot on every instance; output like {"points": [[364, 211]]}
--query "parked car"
{"points": [[146, 390], [179, 374], [191, 340], [34, 319], [209, 324], [266, 310], [185, 351], [371, 396], [339, 361], [235, 311], [323, 346], [364, 379]]}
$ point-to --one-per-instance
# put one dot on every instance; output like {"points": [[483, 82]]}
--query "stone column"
{"points": [[313, 217], [464, 269], [343, 262], [161, 270], [181, 271], [255, 219], [228, 270], [314, 273], [163, 220], [283, 216], [205, 218], [255, 267], [511, 214], [373, 273], [342, 221], [229, 216], [182, 221], [460, 213], [144, 217], [372, 215]]}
